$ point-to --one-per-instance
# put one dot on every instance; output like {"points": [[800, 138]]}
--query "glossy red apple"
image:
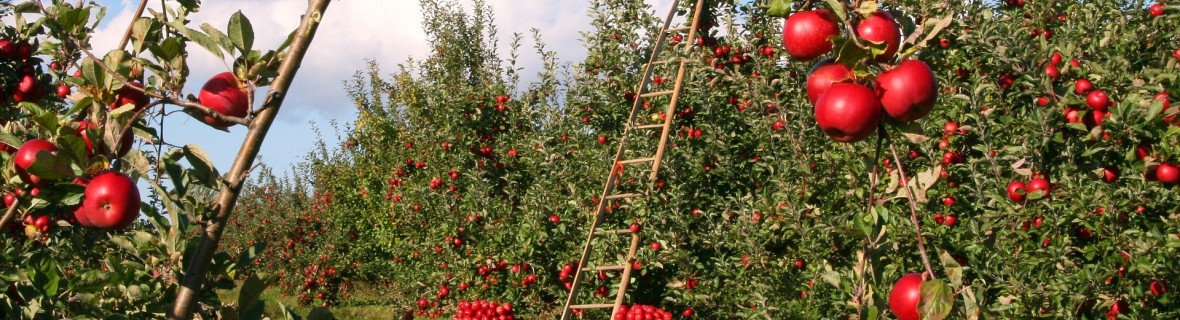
{"points": [[1157, 288], [223, 94], [1156, 9], [823, 75], [908, 91], [1039, 184], [905, 296], [1055, 59], [1167, 174], [1110, 174], [1016, 191], [1082, 86], [848, 112], [1051, 72], [26, 155], [1098, 100], [881, 28], [111, 201], [806, 34]]}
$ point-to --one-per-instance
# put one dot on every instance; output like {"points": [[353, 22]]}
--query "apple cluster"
{"points": [[848, 107], [27, 88], [642, 312], [483, 309]]}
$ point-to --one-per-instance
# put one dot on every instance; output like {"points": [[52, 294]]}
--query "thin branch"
{"points": [[131, 26], [913, 209], [8, 215]]}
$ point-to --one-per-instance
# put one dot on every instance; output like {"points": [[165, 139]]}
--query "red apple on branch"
{"points": [[908, 91], [223, 94], [848, 112], [805, 34], [823, 75], [26, 155], [111, 201], [905, 296], [881, 28]]}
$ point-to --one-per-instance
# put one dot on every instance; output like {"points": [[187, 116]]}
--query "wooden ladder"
{"points": [[643, 93]]}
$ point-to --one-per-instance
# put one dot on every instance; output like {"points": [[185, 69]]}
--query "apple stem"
{"points": [[909, 194]]}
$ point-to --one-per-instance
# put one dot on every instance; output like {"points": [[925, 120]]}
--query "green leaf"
{"points": [[50, 166], [202, 167], [779, 8], [937, 300], [205, 41], [218, 37], [954, 272], [241, 33], [250, 306], [838, 9]]}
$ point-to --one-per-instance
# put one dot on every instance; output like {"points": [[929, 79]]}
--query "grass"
{"points": [[373, 309]]}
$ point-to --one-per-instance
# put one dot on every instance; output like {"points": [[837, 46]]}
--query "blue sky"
{"points": [[388, 31]]}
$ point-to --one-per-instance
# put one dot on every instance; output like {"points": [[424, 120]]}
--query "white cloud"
{"points": [[388, 31]]}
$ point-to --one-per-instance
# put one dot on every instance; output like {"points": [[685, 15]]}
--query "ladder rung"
{"points": [[678, 29], [640, 160], [609, 232], [657, 93], [648, 126], [623, 196], [593, 306], [606, 268]]}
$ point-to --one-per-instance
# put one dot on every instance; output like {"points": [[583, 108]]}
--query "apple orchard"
{"points": [[831, 159]]}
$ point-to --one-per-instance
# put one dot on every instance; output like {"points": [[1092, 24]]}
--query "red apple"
{"points": [[848, 112], [1119, 307], [111, 201], [1167, 174], [1098, 100], [63, 91], [908, 91], [1157, 288], [880, 27], [805, 34], [1052, 72], [1082, 86], [1039, 184], [26, 155], [1110, 174], [905, 296], [1016, 191], [1055, 59], [1073, 114], [1156, 9], [128, 95], [823, 75], [224, 94]]}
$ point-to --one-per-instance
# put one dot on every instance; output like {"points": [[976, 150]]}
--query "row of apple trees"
{"points": [[1035, 180]]}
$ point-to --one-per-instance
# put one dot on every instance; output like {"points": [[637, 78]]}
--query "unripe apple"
{"points": [[848, 112], [908, 91], [805, 34], [823, 75], [880, 27], [224, 94]]}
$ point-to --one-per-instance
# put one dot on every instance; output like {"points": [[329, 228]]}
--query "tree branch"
{"points": [[201, 259], [913, 209]]}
